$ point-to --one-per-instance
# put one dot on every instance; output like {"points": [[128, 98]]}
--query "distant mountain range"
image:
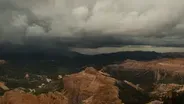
{"points": [[30, 52]]}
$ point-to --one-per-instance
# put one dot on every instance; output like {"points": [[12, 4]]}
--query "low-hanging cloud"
{"points": [[94, 23]]}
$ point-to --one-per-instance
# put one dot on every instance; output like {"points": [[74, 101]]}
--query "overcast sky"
{"points": [[85, 24]]}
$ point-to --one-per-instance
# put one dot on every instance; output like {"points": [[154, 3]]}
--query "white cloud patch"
{"points": [[35, 30]]}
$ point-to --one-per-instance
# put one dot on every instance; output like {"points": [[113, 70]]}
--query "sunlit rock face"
{"points": [[91, 87], [17, 97], [87, 87], [146, 73]]}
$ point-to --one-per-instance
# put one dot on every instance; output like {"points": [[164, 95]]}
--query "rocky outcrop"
{"points": [[2, 62], [87, 87], [3, 86], [172, 65], [18, 97], [168, 93], [146, 73], [155, 102], [52, 98], [91, 87], [134, 82]]}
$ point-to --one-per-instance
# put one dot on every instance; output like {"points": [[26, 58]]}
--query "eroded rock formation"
{"points": [[18, 97], [128, 82], [87, 87], [146, 73], [91, 87]]}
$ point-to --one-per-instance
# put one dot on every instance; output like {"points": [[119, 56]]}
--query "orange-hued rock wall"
{"points": [[87, 87]]}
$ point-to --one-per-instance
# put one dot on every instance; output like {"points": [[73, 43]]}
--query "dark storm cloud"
{"points": [[92, 23]]}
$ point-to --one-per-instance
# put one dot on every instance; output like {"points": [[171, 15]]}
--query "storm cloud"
{"points": [[93, 23]]}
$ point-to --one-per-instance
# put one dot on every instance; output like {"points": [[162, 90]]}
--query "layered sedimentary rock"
{"points": [[155, 102], [87, 87], [18, 97], [96, 87], [91, 87], [169, 93], [146, 73]]}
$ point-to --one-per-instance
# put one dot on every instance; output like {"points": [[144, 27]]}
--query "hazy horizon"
{"points": [[104, 50]]}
